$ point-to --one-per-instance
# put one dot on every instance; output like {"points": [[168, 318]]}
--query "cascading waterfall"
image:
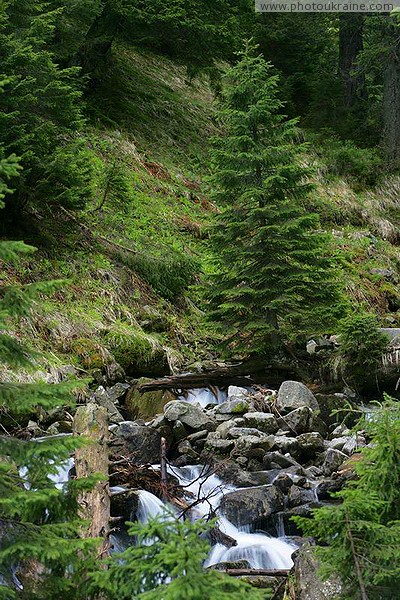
{"points": [[206, 489]]}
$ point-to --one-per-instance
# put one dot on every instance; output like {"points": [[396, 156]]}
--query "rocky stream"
{"points": [[251, 457]]}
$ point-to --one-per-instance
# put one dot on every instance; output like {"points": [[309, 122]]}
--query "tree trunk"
{"points": [[350, 44], [91, 422], [391, 95]]}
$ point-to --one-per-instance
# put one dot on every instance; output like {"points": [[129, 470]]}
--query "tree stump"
{"points": [[91, 422]]}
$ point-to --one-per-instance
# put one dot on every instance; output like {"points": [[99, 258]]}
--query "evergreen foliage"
{"points": [[166, 562], [362, 533], [272, 274], [361, 348], [40, 545], [40, 116]]}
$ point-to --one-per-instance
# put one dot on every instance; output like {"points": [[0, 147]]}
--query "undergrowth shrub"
{"points": [[135, 350], [360, 166], [168, 275], [361, 348]]}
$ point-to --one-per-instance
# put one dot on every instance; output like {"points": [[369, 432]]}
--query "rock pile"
{"points": [[285, 459]]}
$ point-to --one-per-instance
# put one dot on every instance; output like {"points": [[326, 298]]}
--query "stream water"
{"points": [[206, 490]]}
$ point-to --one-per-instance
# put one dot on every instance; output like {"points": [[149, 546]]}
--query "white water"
{"points": [[204, 396], [206, 490]]}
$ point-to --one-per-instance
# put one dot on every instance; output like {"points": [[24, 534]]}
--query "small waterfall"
{"points": [[206, 490], [204, 396], [150, 507]]}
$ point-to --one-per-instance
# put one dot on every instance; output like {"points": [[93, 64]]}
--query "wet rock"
{"points": [[284, 482], [143, 442], [102, 398], [118, 391], [333, 460], [178, 431], [253, 446], [292, 395], [273, 460], [298, 420], [224, 427], [265, 422], [298, 496], [218, 446], [189, 414], [232, 407], [185, 447], [313, 472], [340, 430], [347, 444], [310, 444], [286, 445], [237, 432], [198, 435], [147, 404], [246, 506], [309, 586], [237, 393]]}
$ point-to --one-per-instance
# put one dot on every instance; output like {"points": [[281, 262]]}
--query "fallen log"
{"points": [[239, 375], [258, 572]]}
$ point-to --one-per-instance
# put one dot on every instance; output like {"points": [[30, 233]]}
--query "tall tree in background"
{"points": [[350, 46], [391, 91], [271, 274], [40, 114]]}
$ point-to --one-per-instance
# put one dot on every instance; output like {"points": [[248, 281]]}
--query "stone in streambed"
{"points": [[246, 506], [265, 422], [143, 442], [292, 395], [237, 432], [333, 460], [310, 444], [253, 446], [189, 414], [232, 407], [218, 446]]}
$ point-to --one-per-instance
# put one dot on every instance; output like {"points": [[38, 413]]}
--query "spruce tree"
{"points": [[42, 555], [41, 118], [271, 275], [360, 537]]}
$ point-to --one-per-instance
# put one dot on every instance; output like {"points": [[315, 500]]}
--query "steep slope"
{"points": [[129, 259]]}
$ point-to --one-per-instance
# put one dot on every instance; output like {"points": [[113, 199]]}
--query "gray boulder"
{"points": [[237, 393], [298, 420], [292, 395], [248, 505], [309, 586], [232, 407], [103, 398], [189, 414], [310, 444], [286, 445], [273, 460], [333, 460], [265, 422], [253, 446], [218, 446], [185, 447], [298, 496], [224, 427], [143, 442], [237, 432]]}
